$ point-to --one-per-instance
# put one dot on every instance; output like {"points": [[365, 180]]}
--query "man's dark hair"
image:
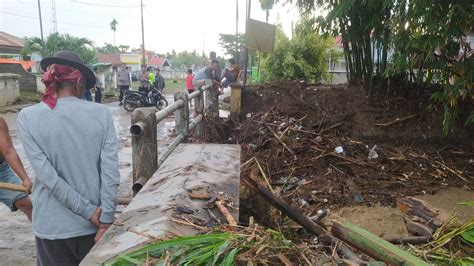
{"points": [[232, 61], [213, 55], [214, 61], [190, 71]]}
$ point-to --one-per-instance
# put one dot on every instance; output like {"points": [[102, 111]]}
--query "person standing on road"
{"points": [[75, 190], [205, 77], [9, 160], [144, 80], [159, 81], [189, 81], [123, 81], [98, 86]]}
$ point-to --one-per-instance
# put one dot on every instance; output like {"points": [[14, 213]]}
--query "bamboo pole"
{"points": [[14, 187]]}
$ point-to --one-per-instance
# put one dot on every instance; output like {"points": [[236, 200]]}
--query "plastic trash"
{"points": [[372, 153], [339, 149]]}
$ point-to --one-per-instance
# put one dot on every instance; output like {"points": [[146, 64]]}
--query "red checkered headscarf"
{"points": [[55, 75]]}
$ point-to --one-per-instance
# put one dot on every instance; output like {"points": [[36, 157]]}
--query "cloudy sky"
{"points": [[169, 24]]}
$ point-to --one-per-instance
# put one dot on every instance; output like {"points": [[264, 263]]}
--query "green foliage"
{"points": [[233, 45], [113, 25], [218, 248], [303, 57], [428, 40], [108, 49], [57, 42], [185, 59]]}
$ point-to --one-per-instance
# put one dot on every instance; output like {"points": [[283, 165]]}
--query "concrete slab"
{"points": [[213, 169]]}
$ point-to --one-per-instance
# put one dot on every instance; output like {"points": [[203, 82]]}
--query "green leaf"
{"points": [[229, 259], [468, 203], [468, 235]]}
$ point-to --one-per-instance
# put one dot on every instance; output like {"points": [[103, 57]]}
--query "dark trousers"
{"points": [[98, 95], [61, 252], [123, 88]]}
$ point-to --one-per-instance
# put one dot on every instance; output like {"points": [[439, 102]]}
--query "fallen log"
{"points": [[373, 245], [301, 219]]}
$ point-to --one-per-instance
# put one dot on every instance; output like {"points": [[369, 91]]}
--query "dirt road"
{"points": [[17, 244]]}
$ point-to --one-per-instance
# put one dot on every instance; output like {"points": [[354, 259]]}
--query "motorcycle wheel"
{"points": [[161, 103], [131, 102]]}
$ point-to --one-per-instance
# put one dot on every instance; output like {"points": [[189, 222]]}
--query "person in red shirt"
{"points": [[189, 81]]}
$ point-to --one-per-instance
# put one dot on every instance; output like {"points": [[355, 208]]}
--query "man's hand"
{"points": [[95, 217], [101, 231], [28, 184]]}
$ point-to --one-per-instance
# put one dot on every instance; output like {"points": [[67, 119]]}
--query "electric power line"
{"points": [[36, 18], [101, 5]]}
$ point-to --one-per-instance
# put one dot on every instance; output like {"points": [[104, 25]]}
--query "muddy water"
{"points": [[17, 243], [389, 221]]}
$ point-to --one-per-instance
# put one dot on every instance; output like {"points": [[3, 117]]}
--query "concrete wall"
{"points": [[9, 88], [26, 79]]}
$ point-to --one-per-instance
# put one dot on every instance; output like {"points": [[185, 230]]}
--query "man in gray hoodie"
{"points": [[75, 189]]}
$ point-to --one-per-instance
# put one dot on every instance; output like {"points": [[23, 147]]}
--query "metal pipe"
{"points": [[170, 149], [162, 114], [138, 185], [137, 129], [195, 121]]}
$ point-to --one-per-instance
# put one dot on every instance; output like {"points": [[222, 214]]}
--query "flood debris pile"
{"points": [[319, 148], [312, 153]]}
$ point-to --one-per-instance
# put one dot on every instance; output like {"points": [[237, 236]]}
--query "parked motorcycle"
{"points": [[136, 99]]}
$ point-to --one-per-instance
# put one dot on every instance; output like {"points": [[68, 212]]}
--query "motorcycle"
{"points": [[136, 99]]}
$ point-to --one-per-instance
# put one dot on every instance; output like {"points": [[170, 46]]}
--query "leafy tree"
{"points": [[124, 48], [267, 5], [233, 45], [57, 42], [303, 57], [113, 27], [427, 38], [108, 49], [185, 59]]}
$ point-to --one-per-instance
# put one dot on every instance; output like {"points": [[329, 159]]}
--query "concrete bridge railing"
{"points": [[145, 158]]}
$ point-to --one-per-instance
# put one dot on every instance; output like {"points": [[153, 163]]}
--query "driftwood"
{"points": [[373, 245], [300, 218], [223, 210], [396, 121], [421, 218]]}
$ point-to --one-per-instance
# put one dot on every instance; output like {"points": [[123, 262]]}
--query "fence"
{"points": [[145, 160]]}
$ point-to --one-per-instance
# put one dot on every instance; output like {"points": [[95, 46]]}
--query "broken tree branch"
{"points": [[223, 210], [396, 121], [281, 141]]}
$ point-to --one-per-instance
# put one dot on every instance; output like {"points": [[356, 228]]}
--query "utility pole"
{"points": [[55, 20], [249, 5], [143, 36], [41, 20], [237, 52]]}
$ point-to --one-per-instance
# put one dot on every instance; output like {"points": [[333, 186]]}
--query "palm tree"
{"points": [[267, 5], [57, 42], [113, 26]]}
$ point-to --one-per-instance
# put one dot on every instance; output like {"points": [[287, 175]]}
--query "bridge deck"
{"points": [[213, 169]]}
